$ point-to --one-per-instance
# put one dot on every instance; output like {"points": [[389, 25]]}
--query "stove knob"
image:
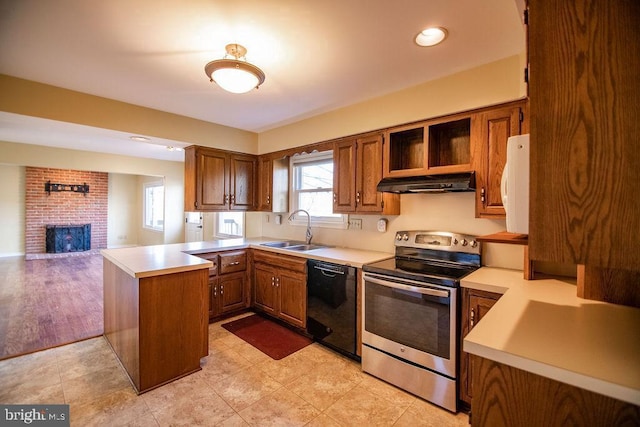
{"points": [[455, 241], [473, 243], [405, 237], [398, 237], [464, 242]]}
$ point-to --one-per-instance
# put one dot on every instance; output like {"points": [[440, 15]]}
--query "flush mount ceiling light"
{"points": [[431, 36], [233, 73]]}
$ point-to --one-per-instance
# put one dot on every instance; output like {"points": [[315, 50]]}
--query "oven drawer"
{"points": [[419, 381]]}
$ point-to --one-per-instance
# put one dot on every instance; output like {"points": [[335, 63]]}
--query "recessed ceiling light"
{"points": [[431, 36], [140, 138]]}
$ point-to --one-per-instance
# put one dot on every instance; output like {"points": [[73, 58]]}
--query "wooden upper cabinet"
{"points": [[344, 180], [273, 184], [585, 156], [265, 177], [437, 146], [243, 182], [494, 127], [218, 180], [357, 172]]}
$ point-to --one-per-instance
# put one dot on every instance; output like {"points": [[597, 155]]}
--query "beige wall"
{"points": [[39, 100], [489, 84], [12, 210], [123, 210]]}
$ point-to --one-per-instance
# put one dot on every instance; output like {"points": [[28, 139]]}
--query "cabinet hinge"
{"points": [[525, 17], [382, 204], [521, 116], [526, 74]]}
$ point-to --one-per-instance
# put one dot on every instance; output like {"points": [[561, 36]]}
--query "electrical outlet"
{"points": [[355, 224]]}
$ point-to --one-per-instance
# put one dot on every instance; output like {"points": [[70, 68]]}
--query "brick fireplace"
{"points": [[65, 208]]}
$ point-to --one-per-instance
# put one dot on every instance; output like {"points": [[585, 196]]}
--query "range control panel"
{"points": [[438, 240]]}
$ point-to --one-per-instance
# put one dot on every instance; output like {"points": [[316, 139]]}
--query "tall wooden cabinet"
{"points": [[357, 172], [494, 126], [217, 180], [585, 161]]}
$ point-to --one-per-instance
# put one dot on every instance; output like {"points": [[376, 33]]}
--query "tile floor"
{"points": [[237, 386]]}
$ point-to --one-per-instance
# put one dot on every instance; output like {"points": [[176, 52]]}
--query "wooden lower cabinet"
{"points": [[508, 396], [280, 287], [475, 304], [228, 282]]}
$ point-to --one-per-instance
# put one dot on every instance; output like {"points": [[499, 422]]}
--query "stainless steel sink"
{"points": [[284, 244], [303, 248], [293, 245]]}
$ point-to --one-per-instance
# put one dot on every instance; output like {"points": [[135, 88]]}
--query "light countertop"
{"points": [[149, 261], [542, 327]]}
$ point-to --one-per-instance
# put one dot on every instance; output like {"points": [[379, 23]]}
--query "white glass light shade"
{"points": [[234, 76], [431, 36]]}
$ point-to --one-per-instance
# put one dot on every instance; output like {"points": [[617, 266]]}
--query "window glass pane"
{"points": [[317, 203], [230, 224], [154, 206], [319, 175]]}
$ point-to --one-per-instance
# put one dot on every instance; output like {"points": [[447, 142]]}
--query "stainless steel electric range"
{"points": [[411, 313]]}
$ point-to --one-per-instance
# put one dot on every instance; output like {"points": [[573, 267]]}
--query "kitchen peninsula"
{"points": [[155, 312], [156, 303]]}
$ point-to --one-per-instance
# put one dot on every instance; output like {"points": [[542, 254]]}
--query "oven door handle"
{"points": [[421, 290]]}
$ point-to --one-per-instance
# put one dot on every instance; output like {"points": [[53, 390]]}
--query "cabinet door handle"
{"points": [[233, 199], [226, 199], [277, 282], [268, 199], [234, 263], [357, 198], [483, 199], [472, 317], [221, 289], [215, 291], [335, 197]]}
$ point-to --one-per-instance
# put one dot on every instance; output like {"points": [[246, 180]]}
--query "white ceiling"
{"points": [[317, 56]]}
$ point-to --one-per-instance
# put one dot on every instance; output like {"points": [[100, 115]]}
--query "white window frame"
{"points": [[223, 234], [145, 187], [339, 221]]}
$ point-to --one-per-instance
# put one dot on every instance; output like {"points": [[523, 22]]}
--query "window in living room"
{"points": [[153, 209]]}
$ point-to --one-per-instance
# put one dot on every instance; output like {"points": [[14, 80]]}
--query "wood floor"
{"points": [[45, 303]]}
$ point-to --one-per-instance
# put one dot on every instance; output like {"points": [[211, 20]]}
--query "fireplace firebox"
{"points": [[68, 238]]}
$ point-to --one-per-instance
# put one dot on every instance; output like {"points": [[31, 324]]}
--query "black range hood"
{"points": [[429, 183]]}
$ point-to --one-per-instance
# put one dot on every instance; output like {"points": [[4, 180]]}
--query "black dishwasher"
{"points": [[331, 306]]}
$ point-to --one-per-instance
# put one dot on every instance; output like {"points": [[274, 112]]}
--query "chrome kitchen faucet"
{"points": [[309, 235]]}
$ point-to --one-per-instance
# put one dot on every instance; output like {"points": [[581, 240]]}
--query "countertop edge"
{"points": [[616, 391]]}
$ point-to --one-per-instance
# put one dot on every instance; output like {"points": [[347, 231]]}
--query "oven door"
{"points": [[411, 320]]}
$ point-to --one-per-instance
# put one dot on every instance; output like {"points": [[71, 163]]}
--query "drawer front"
{"points": [[293, 263], [231, 262]]}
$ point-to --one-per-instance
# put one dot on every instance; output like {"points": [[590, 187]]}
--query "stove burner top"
{"points": [[430, 257], [420, 271]]}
